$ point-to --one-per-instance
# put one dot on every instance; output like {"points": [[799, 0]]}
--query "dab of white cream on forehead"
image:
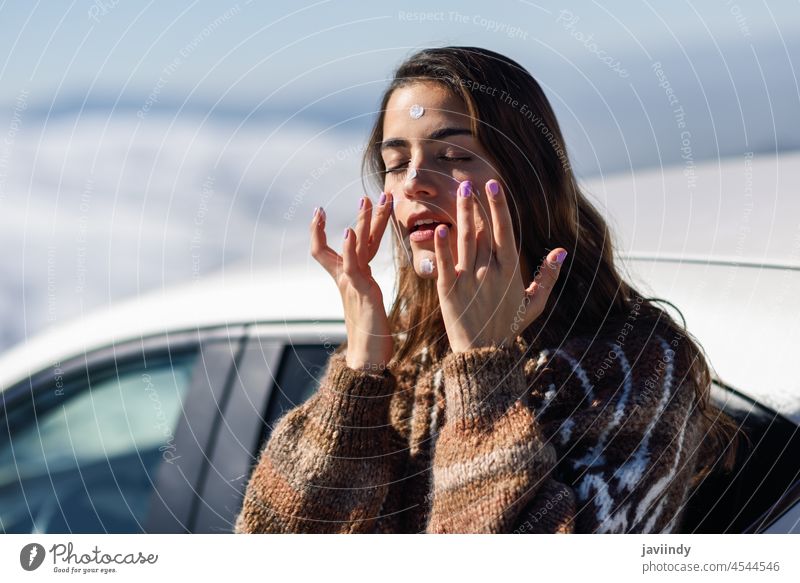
{"points": [[426, 265], [416, 111]]}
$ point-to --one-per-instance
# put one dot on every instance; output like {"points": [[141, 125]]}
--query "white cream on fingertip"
{"points": [[426, 265]]}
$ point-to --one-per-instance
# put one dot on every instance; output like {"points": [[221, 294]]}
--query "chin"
{"points": [[425, 264]]}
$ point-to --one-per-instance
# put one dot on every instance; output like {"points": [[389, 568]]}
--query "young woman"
{"points": [[518, 384]]}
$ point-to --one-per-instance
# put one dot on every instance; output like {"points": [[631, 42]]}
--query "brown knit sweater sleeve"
{"points": [[329, 462], [490, 457]]}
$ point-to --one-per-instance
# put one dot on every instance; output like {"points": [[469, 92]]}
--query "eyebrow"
{"points": [[439, 134]]}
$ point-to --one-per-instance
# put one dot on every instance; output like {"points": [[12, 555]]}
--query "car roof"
{"points": [[738, 209], [298, 296], [743, 315], [742, 307]]}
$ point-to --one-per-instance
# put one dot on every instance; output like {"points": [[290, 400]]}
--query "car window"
{"points": [[767, 464], [301, 370], [82, 457]]}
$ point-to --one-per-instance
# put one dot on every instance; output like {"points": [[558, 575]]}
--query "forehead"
{"points": [[439, 103]]}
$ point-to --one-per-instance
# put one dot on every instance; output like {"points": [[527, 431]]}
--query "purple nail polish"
{"points": [[382, 200], [316, 208], [346, 233], [361, 204], [466, 188], [560, 257], [442, 231], [494, 188]]}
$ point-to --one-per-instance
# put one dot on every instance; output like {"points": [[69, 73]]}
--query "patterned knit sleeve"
{"points": [[329, 462], [624, 420], [599, 437], [490, 457]]}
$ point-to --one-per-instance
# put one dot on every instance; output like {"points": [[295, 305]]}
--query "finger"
{"points": [[483, 233], [446, 271], [466, 227], [349, 256], [320, 250], [350, 264], [502, 228], [381, 219], [362, 231], [546, 276]]}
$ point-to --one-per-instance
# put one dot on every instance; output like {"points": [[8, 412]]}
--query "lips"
{"points": [[429, 221], [428, 226]]}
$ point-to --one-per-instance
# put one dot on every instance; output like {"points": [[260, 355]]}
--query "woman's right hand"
{"points": [[369, 340]]}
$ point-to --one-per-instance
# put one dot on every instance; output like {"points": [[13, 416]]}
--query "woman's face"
{"points": [[426, 157]]}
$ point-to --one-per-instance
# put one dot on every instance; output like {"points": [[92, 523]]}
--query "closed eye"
{"points": [[396, 169], [402, 167]]}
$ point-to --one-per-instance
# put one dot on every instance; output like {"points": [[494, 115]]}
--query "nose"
{"points": [[416, 183], [422, 182]]}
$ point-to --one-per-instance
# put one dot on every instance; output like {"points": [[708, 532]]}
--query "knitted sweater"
{"points": [[594, 435]]}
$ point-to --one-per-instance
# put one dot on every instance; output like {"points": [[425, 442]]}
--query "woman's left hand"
{"points": [[483, 298]]}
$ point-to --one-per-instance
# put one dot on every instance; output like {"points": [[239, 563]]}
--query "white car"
{"points": [[148, 417]]}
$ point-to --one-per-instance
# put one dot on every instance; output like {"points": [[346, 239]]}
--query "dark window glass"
{"points": [[82, 457], [302, 367]]}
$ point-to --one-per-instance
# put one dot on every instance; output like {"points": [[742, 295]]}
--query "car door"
{"points": [[764, 481], [278, 372], [84, 443], [786, 517]]}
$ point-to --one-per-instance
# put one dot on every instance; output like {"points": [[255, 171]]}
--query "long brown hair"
{"points": [[512, 118]]}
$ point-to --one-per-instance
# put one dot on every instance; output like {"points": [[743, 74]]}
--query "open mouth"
{"points": [[423, 231], [427, 226]]}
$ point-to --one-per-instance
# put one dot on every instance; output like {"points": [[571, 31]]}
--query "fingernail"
{"points": [[560, 257], [322, 213], [494, 188], [316, 208], [382, 200], [346, 233], [361, 204], [442, 230], [466, 188]]}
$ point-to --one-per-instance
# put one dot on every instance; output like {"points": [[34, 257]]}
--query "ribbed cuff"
{"points": [[355, 398], [482, 383]]}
